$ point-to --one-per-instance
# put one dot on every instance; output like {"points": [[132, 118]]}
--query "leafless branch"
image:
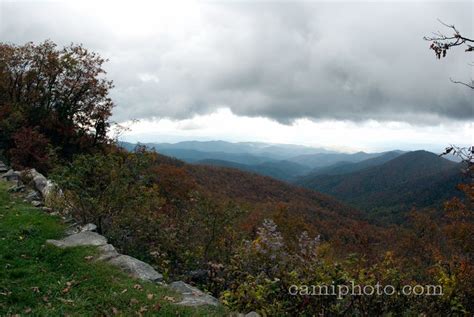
{"points": [[441, 43], [463, 83], [466, 155]]}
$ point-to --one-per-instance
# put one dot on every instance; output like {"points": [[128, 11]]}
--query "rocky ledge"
{"points": [[85, 236], [37, 191]]}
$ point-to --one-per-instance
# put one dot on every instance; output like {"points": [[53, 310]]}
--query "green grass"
{"points": [[42, 280]]}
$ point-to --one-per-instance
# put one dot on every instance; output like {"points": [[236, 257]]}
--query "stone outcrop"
{"points": [[136, 268], [86, 236], [192, 296], [107, 252], [39, 182]]}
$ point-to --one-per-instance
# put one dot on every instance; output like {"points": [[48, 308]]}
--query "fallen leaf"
{"points": [[35, 289], [143, 309], [133, 301], [45, 299], [157, 307], [115, 311], [28, 310], [169, 298], [149, 296], [88, 258], [124, 291], [137, 287]]}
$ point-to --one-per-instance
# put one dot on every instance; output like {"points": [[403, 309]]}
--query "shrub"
{"points": [[32, 149]]}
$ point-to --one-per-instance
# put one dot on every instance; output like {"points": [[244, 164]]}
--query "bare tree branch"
{"points": [[463, 83], [441, 43]]}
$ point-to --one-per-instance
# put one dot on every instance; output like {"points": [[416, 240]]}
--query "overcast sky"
{"points": [[344, 75]]}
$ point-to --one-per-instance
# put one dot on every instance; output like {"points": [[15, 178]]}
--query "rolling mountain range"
{"points": [[384, 186], [281, 161]]}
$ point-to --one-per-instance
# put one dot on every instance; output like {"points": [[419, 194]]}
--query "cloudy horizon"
{"points": [[344, 75]]}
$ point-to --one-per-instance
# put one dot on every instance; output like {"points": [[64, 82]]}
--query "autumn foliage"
{"points": [[58, 96], [244, 238]]}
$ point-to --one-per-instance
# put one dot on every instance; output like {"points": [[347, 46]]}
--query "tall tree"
{"points": [[60, 93]]}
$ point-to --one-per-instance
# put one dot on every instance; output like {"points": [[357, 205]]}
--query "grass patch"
{"points": [[42, 280]]}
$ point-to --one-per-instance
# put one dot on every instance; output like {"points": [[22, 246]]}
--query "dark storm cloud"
{"points": [[347, 61]]}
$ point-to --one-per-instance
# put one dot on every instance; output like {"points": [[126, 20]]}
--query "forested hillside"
{"points": [[245, 238], [387, 192], [344, 167]]}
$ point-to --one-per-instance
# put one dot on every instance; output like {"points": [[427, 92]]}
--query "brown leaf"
{"points": [[27, 310], [45, 299], [35, 289], [169, 298], [88, 258], [115, 311], [133, 301], [149, 296], [137, 287], [157, 307], [143, 309]]}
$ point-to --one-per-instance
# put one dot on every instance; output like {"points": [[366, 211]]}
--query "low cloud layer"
{"points": [[284, 61]]}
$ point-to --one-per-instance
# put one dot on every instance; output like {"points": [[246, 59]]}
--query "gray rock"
{"points": [[136, 268], [32, 195], [40, 183], [37, 203], [11, 175], [107, 252], [72, 230], [87, 238], [252, 314], [77, 228], [3, 167], [192, 296], [89, 227]]}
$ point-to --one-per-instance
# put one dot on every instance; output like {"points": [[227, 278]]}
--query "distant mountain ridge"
{"points": [[319, 160], [414, 179], [270, 150], [281, 161], [345, 167], [283, 170]]}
